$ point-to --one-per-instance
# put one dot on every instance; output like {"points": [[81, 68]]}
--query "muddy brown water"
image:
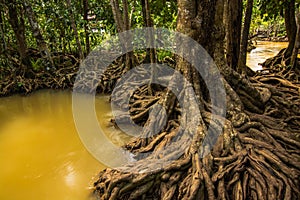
{"points": [[264, 50], [41, 155]]}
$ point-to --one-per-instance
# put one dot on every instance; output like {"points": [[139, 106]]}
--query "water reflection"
{"points": [[263, 51], [41, 155]]}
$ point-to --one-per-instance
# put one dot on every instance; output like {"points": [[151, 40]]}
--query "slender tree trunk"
{"points": [[16, 21], [129, 56], [245, 35], [126, 14], [233, 25], [131, 15], [294, 59], [150, 53], [291, 27], [73, 24], [117, 15], [4, 45], [86, 29], [37, 32], [64, 42], [123, 24]]}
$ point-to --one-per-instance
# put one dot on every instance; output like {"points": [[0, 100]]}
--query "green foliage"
{"points": [[20, 84], [55, 24], [162, 54], [164, 13], [272, 9], [37, 64], [267, 17], [54, 20]]}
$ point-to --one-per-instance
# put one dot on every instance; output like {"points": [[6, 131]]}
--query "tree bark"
{"points": [[126, 14], [62, 37], [16, 20], [242, 163], [233, 24], [4, 45], [294, 59], [117, 15], [37, 32], [73, 24], [291, 27], [86, 28], [244, 41], [123, 24], [150, 52]]}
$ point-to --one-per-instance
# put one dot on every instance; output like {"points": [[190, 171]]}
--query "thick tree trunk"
{"points": [[86, 29], [291, 27], [74, 27], [233, 25], [245, 35], [37, 32], [243, 163], [16, 20]]}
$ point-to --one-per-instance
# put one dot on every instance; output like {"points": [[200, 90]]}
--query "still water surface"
{"points": [[264, 50], [41, 155]]}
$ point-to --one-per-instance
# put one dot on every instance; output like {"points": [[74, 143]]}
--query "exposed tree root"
{"points": [[25, 79], [18, 79], [281, 66], [256, 159]]}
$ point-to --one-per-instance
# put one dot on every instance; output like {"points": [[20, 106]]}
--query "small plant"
{"points": [[161, 55], [20, 84], [37, 65]]}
